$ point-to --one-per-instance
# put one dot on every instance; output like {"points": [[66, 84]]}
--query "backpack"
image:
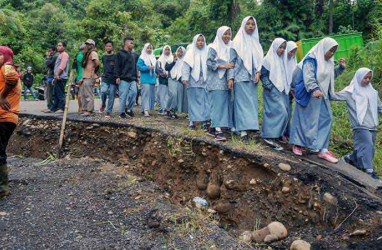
{"points": [[303, 96]]}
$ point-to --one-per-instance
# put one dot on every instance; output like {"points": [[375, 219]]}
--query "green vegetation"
{"points": [[29, 27]]}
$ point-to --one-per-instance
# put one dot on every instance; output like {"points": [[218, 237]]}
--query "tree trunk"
{"points": [[331, 9]]}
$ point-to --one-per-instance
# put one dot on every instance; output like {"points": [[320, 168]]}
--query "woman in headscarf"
{"points": [[10, 92], [160, 69], [175, 85], [247, 56], [363, 104], [146, 65], [276, 84], [218, 91], [312, 117], [194, 75]]}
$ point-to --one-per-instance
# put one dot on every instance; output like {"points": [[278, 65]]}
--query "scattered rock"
{"points": [[246, 236], [259, 235], [180, 160], [153, 224], [300, 245], [329, 198], [278, 229], [253, 182], [202, 180], [358, 232], [200, 202], [213, 191], [270, 238], [285, 190], [132, 134], [285, 167], [229, 184], [222, 206], [319, 237], [3, 213], [211, 211]]}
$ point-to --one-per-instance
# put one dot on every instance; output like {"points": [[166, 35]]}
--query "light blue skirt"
{"points": [[311, 125], [275, 113], [182, 104], [162, 95], [246, 107], [148, 97], [220, 101], [198, 104]]}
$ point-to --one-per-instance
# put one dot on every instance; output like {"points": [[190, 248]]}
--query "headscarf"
{"points": [[325, 69], [363, 95], [248, 47], [176, 71], [291, 62], [222, 49], [277, 66], [197, 58], [149, 59], [8, 54], [163, 59]]}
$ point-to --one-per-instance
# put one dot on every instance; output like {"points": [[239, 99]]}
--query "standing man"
{"points": [[50, 63], [126, 73], [108, 85], [28, 81], [10, 92], [77, 66], [61, 69], [90, 65]]}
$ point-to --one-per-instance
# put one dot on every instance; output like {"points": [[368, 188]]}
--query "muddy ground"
{"points": [[247, 190]]}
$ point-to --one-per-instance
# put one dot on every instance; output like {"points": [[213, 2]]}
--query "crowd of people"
{"points": [[217, 86]]}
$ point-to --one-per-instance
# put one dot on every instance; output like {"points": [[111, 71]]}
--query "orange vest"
{"points": [[9, 74]]}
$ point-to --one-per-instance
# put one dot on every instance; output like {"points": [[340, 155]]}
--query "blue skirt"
{"points": [[311, 125], [198, 104], [246, 107], [148, 97], [275, 113], [364, 148], [220, 101]]}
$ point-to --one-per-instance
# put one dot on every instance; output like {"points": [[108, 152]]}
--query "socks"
{"points": [[243, 133], [191, 124], [219, 130], [324, 150], [369, 171]]}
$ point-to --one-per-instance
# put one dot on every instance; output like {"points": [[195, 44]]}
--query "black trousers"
{"points": [[6, 131]]}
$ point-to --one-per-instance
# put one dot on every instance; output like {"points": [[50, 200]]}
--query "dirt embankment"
{"points": [[246, 191]]}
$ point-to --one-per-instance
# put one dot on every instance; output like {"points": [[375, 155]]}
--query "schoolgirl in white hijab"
{"points": [[311, 125], [248, 47], [292, 61], [363, 104], [276, 94], [162, 88], [149, 59], [218, 91], [163, 59], [176, 91], [247, 56], [194, 75]]}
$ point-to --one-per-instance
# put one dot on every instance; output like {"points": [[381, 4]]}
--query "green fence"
{"points": [[345, 43]]}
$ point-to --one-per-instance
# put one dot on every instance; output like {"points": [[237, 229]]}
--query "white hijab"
{"points": [[363, 96], [222, 49], [325, 69], [197, 58], [149, 59], [277, 66], [163, 59], [176, 71], [291, 62], [248, 47]]}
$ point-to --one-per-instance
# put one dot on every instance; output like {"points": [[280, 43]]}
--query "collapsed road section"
{"points": [[244, 191]]}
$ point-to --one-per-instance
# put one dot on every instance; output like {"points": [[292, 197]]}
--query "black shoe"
{"points": [[273, 144], [192, 127], [123, 116], [348, 160], [220, 137], [375, 177], [130, 113], [211, 132], [206, 127], [244, 138], [171, 115]]}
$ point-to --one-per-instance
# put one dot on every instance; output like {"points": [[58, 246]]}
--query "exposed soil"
{"points": [[247, 190]]}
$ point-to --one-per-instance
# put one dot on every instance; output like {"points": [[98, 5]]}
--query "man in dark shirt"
{"points": [[126, 76], [50, 61], [28, 80], [108, 85]]}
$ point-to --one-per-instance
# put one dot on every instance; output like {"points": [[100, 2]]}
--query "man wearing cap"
{"points": [[28, 80], [90, 65]]}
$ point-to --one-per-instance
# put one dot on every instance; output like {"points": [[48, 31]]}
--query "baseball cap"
{"points": [[90, 41], [82, 46]]}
